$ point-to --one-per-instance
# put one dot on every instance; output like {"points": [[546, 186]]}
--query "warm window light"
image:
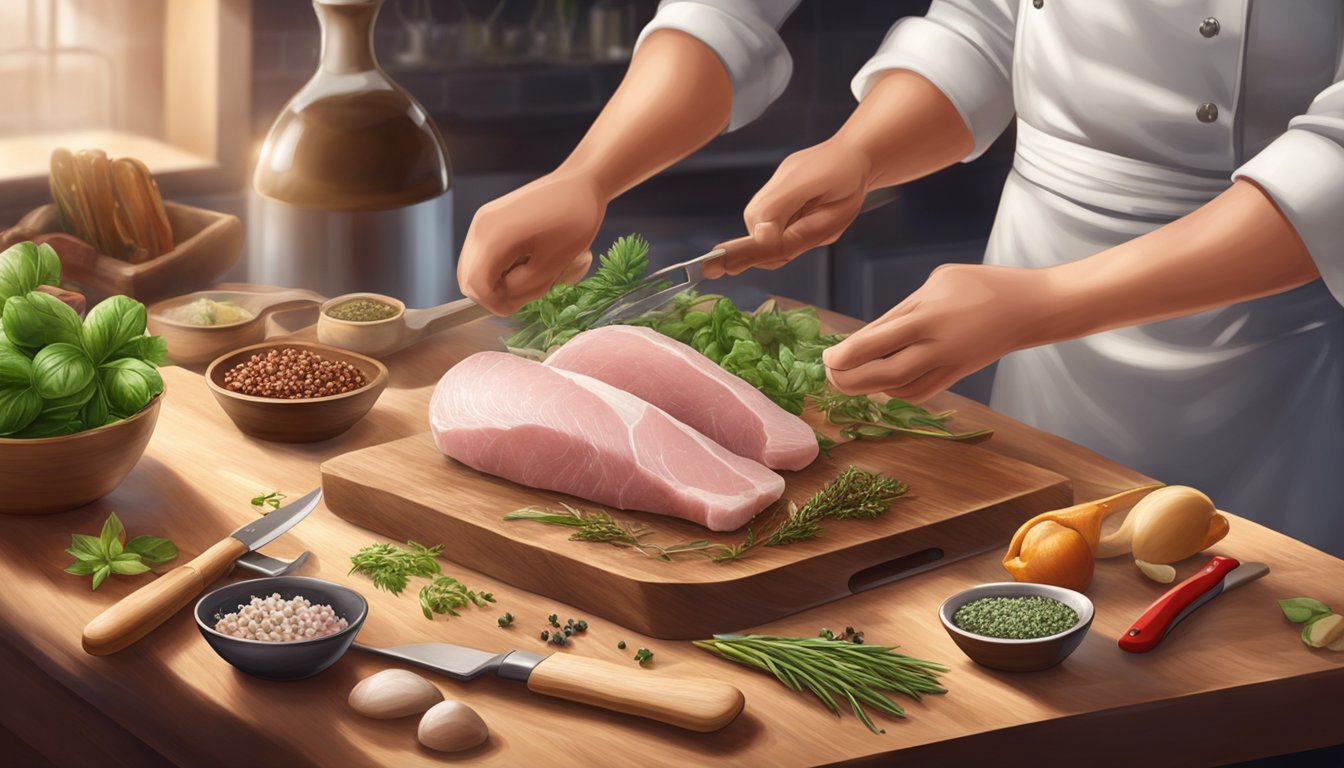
{"points": [[351, 139]]}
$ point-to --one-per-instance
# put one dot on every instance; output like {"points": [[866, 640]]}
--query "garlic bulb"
{"points": [[451, 726], [1166, 526], [394, 693]]}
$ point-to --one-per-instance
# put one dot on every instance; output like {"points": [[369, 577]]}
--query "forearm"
{"points": [[675, 97], [906, 128], [1237, 247]]}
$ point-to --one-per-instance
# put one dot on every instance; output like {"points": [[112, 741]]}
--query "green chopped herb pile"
{"points": [[1015, 618]]}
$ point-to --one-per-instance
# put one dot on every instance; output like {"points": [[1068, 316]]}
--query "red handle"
{"points": [[1146, 632]]}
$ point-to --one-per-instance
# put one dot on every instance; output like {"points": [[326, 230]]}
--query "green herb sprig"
{"points": [[643, 656], [391, 567], [271, 500], [832, 669], [598, 525], [861, 416], [446, 594], [109, 553]]}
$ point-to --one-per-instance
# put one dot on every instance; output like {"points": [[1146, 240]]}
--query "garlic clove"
{"points": [[1338, 645], [1159, 572], [1321, 632], [394, 693], [451, 726]]}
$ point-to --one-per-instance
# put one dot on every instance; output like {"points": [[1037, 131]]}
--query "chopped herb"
{"points": [[271, 500], [643, 655], [446, 594], [390, 566]]}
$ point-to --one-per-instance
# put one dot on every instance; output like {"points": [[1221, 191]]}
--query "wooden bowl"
{"points": [[55, 474], [207, 243], [1018, 655], [296, 421], [191, 344]]}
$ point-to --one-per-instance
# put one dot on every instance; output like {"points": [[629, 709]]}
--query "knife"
{"points": [[1220, 575], [697, 704], [137, 614]]}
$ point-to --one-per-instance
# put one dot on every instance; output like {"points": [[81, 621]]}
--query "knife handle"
{"points": [[696, 704], [137, 614], [1149, 629]]}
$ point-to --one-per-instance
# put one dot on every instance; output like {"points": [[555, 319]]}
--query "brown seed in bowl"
{"points": [[293, 374]]}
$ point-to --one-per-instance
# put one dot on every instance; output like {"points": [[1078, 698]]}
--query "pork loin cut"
{"points": [[692, 389], [550, 428]]}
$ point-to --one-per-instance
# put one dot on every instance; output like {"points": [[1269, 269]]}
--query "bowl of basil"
{"points": [[78, 397]]}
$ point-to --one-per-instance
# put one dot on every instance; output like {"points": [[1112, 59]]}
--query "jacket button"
{"points": [[1210, 27], [1207, 112], [1037, 3]]}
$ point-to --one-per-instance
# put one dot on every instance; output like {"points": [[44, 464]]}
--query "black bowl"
{"points": [[294, 660]]}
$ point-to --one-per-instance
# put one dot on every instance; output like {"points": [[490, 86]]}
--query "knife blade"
{"points": [[137, 614], [697, 704], [1218, 576]]}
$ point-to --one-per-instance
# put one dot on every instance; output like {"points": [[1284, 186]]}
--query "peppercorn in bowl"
{"points": [[1017, 626], [295, 391]]}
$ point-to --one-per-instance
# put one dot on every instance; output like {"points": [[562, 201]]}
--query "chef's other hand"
{"points": [[813, 196], [963, 318], [524, 242]]}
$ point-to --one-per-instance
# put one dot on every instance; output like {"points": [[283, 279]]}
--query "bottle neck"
{"points": [[347, 35]]}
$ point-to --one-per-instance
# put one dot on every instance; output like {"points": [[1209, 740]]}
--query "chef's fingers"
{"points": [[820, 225], [900, 369], [926, 386], [529, 279], [481, 267], [873, 342], [577, 268], [715, 267]]}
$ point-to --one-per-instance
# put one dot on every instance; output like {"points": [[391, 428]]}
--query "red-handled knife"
{"points": [[1220, 575]]}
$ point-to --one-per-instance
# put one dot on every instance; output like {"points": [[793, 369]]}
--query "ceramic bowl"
{"points": [[293, 660], [194, 344], [1018, 655], [55, 474], [296, 421]]}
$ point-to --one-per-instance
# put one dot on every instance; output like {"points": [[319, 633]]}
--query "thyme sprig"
{"points": [[832, 668], [598, 525], [861, 416]]}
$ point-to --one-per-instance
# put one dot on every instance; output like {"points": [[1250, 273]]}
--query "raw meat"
{"points": [[549, 428], [692, 389]]}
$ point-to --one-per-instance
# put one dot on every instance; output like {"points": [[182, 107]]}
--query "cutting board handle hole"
{"points": [[892, 570]]}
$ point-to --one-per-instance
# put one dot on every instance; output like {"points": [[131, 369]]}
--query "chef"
{"points": [[1164, 276]]}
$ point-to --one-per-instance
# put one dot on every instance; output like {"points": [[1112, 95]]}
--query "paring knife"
{"points": [[697, 704], [1219, 576], [137, 614]]}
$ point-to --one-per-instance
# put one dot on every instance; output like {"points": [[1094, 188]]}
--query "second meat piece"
{"points": [[549, 428], [692, 389]]}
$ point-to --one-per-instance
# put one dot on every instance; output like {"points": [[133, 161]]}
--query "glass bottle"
{"points": [[351, 139]]}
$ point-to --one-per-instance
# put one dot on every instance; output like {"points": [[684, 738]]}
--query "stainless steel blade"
{"points": [[459, 662], [650, 294], [1244, 573], [264, 530]]}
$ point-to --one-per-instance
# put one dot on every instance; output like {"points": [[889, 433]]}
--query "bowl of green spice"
{"points": [[1017, 627]]}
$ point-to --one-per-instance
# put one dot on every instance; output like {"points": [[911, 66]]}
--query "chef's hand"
{"points": [[524, 242], [812, 198], [963, 318]]}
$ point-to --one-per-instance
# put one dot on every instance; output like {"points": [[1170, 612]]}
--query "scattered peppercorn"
{"points": [[580, 625], [293, 374], [362, 311], [643, 655], [1015, 618], [545, 635], [505, 620], [621, 645], [558, 639]]}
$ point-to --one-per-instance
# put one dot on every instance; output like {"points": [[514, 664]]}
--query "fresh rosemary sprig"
{"points": [[599, 525], [862, 416], [832, 668], [391, 566], [853, 493], [446, 594]]}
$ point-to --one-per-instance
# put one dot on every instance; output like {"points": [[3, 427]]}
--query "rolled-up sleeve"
{"points": [[744, 34], [963, 47], [1303, 173]]}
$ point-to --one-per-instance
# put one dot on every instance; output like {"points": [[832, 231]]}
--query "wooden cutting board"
{"points": [[962, 500]]}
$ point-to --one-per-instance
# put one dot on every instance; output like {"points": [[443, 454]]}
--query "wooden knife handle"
{"points": [[696, 704], [137, 614]]}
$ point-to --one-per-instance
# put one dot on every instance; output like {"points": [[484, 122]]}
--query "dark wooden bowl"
{"points": [[296, 421], [55, 474]]}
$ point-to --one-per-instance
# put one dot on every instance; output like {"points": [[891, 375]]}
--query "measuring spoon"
{"points": [[188, 343], [383, 337]]}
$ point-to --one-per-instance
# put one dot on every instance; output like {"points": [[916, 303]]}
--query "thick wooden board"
{"points": [[962, 500]]}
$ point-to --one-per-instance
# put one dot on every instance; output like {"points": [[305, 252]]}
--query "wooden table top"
{"points": [[1232, 683]]}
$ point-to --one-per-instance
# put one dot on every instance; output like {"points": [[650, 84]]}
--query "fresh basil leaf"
{"points": [[88, 545], [151, 349], [113, 531], [1303, 609], [16, 369], [61, 370], [45, 427], [116, 321], [24, 266], [100, 575], [83, 567], [70, 407], [154, 550], [18, 409], [128, 566], [129, 384], [37, 319]]}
